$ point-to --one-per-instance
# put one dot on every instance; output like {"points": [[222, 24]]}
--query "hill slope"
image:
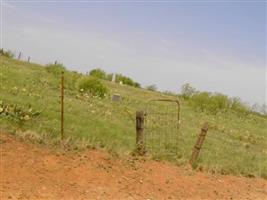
{"points": [[235, 144]]}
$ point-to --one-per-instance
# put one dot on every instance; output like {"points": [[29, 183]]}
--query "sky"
{"points": [[216, 46]]}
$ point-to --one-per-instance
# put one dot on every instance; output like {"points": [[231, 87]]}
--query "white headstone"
{"points": [[113, 78]]}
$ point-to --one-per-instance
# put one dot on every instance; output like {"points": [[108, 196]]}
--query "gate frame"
{"points": [[142, 131], [167, 100]]}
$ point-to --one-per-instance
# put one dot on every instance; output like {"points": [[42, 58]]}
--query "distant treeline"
{"points": [[214, 103]]}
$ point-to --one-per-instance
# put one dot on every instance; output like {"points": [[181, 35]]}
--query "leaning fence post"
{"points": [[62, 105], [140, 144], [199, 143], [19, 57]]}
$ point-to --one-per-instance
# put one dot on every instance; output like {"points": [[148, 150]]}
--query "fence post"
{"points": [[140, 144], [62, 105], [19, 57], [199, 143]]}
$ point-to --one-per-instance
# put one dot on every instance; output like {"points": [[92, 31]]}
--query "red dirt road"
{"points": [[35, 172]]}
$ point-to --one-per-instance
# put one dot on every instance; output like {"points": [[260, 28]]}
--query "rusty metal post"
{"points": [[62, 105], [140, 144], [199, 143]]}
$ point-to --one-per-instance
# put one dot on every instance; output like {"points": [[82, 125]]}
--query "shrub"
{"points": [[98, 73], [55, 69], [218, 103], [8, 54], [237, 105], [126, 80], [93, 86], [71, 79], [17, 113], [101, 74], [152, 87], [169, 93], [109, 77], [211, 103], [200, 101]]}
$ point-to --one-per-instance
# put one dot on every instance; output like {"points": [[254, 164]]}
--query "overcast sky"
{"points": [[215, 46]]}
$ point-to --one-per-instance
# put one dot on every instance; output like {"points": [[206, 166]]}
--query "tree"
{"points": [[187, 90]]}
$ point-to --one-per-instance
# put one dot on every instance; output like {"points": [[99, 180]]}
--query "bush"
{"points": [[71, 79], [126, 80], [101, 74], [169, 93], [8, 54], [211, 103], [216, 102], [17, 113], [237, 105], [200, 101], [152, 87], [93, 86], [55, 69], [109, 77], [98, 73]]}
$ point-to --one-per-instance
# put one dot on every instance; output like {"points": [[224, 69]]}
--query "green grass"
{"points": [[235, 144]]}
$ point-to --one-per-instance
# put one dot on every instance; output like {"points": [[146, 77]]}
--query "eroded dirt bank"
{"points": [[33, 172]]}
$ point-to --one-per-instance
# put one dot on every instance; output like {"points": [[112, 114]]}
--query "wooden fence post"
{"points": [[199, 143], [19, 57], [140, 144], [62, 105]]}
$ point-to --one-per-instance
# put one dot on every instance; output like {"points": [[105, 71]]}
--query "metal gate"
{"points": [[162, 122]]}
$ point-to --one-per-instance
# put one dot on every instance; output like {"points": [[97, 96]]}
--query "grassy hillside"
{"points": [[235, 144]]}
